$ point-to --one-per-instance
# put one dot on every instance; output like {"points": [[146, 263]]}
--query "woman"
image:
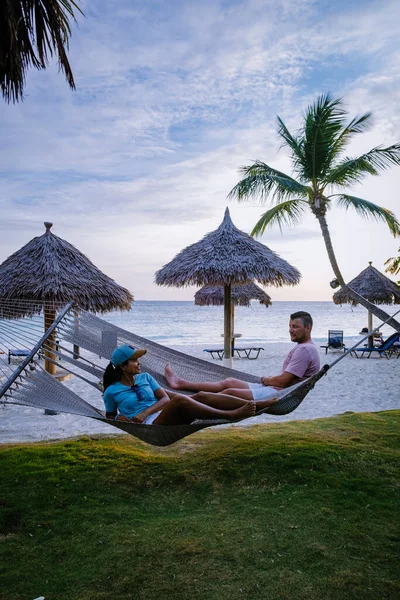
{"points": [[134, 396]]}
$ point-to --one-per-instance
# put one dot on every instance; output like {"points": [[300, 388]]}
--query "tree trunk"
{"points": [[329, 248]]}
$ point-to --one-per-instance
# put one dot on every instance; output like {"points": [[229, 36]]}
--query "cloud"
{"points": [[171, 100]]}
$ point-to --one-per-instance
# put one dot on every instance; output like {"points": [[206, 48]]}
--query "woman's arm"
{"points": [[111, 415], [162, 400]]}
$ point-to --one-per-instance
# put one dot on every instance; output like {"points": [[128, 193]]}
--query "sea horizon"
{"points": [[160, 321]]}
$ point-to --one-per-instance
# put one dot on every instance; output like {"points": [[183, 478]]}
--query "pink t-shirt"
{"points": [[302, 360]]}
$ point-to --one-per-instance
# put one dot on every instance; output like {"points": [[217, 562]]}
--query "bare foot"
{"points": [[261, 404], [174, 381], [245, 411]]}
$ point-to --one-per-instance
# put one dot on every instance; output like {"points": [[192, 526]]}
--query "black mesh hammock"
{"points": [[74, 329]]}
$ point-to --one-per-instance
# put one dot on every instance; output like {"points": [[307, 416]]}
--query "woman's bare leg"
{"points": [[177, 383], [183, 410]]}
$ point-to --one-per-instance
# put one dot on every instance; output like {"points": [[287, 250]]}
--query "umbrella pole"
{"points": [[77, 352], [370, 328], [228, 333], [49, 318], [233, 325]]}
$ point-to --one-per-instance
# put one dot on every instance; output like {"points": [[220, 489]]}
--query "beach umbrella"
{"points": [[227, 257], [52, 272], [374, 286], [213, 295]]}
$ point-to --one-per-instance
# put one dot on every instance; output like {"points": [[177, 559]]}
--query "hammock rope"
{"points": [[31, 385]]}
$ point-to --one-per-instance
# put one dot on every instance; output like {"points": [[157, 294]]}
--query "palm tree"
{"points": [[320, 168], [393, 265], [30, 32]]}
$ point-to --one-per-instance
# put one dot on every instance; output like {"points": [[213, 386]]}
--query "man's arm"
{"points": [[280, 381]]}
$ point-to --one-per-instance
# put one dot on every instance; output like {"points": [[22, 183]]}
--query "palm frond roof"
{"points": [[371, 284], [50, 269], [213, 295], [227, 256]]}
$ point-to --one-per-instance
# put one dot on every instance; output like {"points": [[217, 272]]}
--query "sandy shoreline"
{"points": [[358, 385]]}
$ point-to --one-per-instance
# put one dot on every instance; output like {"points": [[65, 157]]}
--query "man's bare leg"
{"points": [[228, 399], [183, 410], [177, 383]]}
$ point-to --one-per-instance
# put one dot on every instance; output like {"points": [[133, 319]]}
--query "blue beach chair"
{"points": [[385, 349], [335, 340]]}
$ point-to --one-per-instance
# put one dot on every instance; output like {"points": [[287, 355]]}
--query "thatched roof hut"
{"points": [[52, 272], [225, 257], [374, 286], [51, 269], [211, 295]]}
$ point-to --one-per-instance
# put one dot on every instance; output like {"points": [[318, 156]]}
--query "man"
{"points": [[301, 362]]}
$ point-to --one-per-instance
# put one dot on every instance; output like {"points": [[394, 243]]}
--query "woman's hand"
{"points": [[122, 418], [140, 417]]}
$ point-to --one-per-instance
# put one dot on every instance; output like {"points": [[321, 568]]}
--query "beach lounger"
{"points": [[335, 340], [252, 353], [17, 353], [387, 348]]}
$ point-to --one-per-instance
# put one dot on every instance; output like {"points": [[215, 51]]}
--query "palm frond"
{"points": [[32, 31], [261, 181], [295, 144], [368, 209], [356, 125], [286, 213], [324, 121], [393, 265], [353, 170]]}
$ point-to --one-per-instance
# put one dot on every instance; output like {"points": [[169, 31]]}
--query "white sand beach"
{"points": [[357, 385]]}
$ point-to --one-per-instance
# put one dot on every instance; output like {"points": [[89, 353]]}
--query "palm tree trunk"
{"points": [[378, 312], [329, 248]]}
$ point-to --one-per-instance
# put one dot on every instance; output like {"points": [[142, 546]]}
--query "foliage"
{"points": [[319, 167], [30, 32], [304, 510], [393, 265]]}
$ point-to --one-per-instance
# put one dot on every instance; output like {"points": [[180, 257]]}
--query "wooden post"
{"points": [[49, 318], [77, 351], [228, 333], [370, 328], [233, 325]]}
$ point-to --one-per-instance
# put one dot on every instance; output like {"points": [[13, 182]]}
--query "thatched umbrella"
{"points": [[213, 295], [225, 257], [374, 286], [51, 271]]}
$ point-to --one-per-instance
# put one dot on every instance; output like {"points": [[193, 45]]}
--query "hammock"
{"points": [[31, 385]]}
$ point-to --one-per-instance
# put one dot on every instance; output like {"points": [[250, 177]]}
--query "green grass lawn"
{"points": [[298, 510]]}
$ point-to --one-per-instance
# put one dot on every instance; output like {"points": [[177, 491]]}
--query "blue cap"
{"points": [[124, 353]]}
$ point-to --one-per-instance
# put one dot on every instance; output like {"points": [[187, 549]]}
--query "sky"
{"points": [[172, 99]]}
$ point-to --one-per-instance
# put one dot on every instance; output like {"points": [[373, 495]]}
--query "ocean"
{"points": [[179, 323]]}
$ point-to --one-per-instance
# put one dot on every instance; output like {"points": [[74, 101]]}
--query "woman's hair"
{"points": [[111, 375]]}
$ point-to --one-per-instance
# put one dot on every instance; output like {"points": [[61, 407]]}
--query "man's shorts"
{"points": [[262, 392]]}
